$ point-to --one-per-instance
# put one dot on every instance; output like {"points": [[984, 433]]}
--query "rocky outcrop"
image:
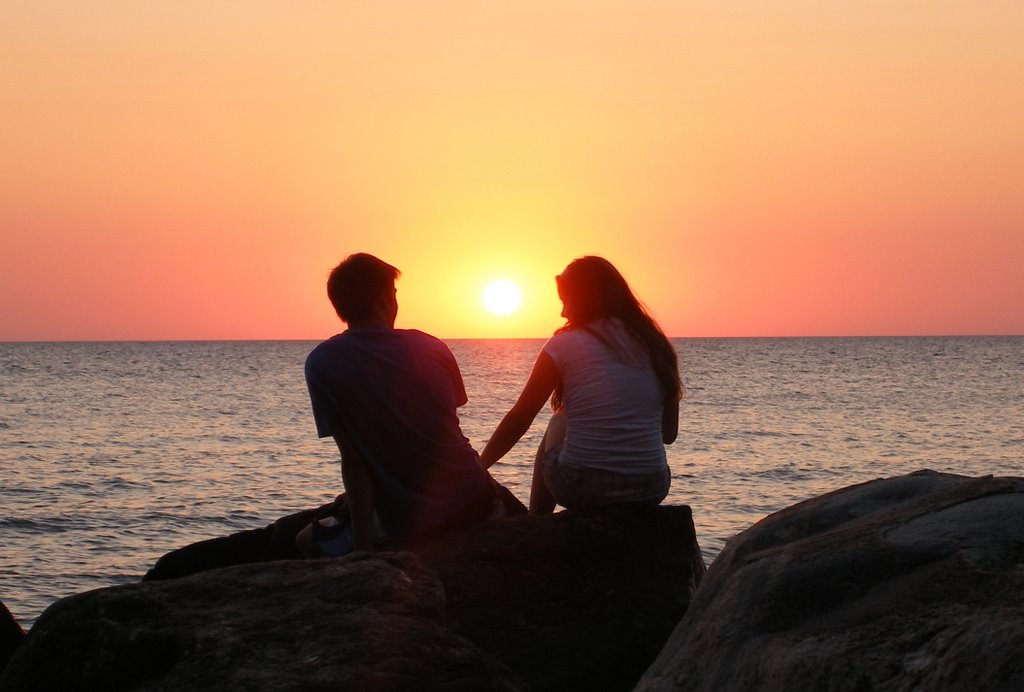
{"points": [[11, 636], [914, 582], [365, 622], [577, 599]]}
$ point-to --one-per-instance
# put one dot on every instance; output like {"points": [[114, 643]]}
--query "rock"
{"points": [[580, 600], [11, 636], [913, 582], [367, 621], [273, 542]]}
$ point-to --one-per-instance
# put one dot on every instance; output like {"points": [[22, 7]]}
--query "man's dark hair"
{"points": [[356, 286]]}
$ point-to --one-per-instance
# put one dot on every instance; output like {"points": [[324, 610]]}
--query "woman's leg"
{"points": [[541, 499]]}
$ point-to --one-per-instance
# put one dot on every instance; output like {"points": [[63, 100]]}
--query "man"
{"points": [[388, 397]]}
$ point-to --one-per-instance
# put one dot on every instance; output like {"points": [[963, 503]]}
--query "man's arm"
{"points": [[359, 492]]}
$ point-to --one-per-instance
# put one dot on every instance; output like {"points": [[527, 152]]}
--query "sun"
{"points": [[501, 297]]}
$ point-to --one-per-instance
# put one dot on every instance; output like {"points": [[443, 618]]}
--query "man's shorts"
{"points": [[575, 487]]}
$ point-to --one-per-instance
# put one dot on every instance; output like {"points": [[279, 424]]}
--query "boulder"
{"points": [[11, 635], [367, 621], [913, 582], [578, 599]]}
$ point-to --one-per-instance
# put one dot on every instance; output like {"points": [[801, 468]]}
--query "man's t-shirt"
{"points": [[395, 392]]}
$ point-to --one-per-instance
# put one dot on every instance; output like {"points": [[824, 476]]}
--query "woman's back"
{"points": [[611, 397]]}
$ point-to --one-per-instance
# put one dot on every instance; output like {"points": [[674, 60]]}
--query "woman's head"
{"points": [[591, 288]]}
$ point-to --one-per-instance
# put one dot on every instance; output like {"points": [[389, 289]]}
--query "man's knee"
{"points": [[304, 542]]}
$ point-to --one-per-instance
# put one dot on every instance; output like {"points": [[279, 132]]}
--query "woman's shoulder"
{"points": [[566, 336], [575, 342]]}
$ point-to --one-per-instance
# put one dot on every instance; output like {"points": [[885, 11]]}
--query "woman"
{"points": [[614, 384]]}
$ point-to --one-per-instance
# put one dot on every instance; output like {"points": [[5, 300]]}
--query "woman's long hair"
{"points": [[592, 288]]}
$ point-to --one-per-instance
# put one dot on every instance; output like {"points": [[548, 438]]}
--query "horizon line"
{"points": [[505, 338]]}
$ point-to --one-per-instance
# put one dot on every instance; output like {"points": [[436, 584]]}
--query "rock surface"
{"points": [[580, 600], [573, 601], [11, 636], [914, 582], [367, 621]]}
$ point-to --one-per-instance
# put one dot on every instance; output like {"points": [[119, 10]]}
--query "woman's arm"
{"points": [[670, 420], [519, 418]]}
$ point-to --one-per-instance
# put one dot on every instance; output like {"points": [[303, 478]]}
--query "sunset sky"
{"points": [[193, 170]]}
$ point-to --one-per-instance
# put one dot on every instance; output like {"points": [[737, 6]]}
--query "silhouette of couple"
{"points": [[389, 398]]}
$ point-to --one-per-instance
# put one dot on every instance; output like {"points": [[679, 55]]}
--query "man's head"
{"points": [[362, 290]]}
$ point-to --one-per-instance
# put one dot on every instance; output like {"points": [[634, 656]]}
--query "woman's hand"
{"points": [[519, 418]]}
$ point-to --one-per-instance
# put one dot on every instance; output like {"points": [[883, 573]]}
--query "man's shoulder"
{"points": [[325, 351], [417, 336], [411, 340], [427, 347], [328, 344], [352, 342]]}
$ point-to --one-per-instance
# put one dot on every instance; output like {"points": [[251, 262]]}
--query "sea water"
{"points": [[113, 454]]}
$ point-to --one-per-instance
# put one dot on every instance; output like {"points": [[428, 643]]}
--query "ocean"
{"points": [[113, 454]]}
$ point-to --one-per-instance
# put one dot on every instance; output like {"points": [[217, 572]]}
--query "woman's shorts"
{"points": [[575, 487]]}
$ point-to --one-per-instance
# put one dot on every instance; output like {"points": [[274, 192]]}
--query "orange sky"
{"points": [[192, 170]]}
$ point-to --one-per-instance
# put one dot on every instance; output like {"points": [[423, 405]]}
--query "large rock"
{"points": [[577, 600], [914, 582], [581, 600], [11, 636], [361, 622]]}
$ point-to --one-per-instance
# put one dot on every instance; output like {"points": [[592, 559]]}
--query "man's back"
{"points": [[394, 393]]}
